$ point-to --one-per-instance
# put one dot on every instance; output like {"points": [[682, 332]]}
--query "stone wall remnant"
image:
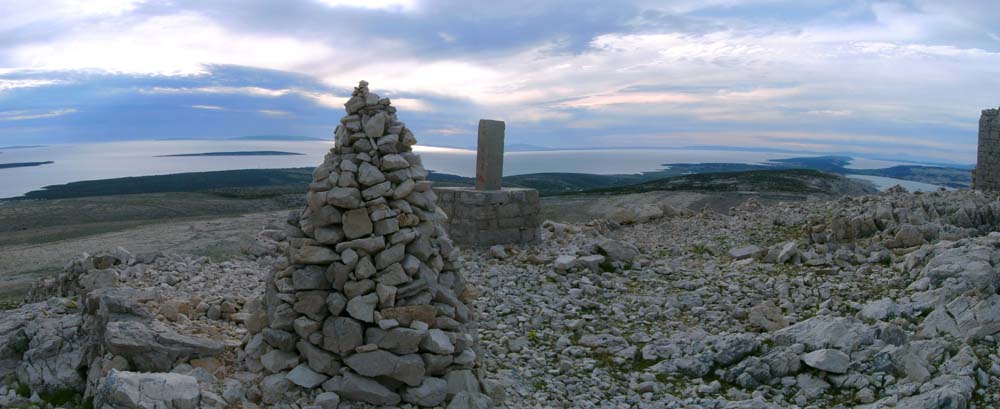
{"points": [[987, 173]]}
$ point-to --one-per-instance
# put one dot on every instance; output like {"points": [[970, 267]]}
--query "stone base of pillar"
{"points": [[488, 217]]}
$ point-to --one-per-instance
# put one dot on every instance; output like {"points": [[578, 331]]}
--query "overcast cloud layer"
{"points": [[898, 79]]}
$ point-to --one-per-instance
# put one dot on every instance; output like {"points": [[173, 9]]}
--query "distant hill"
{"points": [[783, 180], [958, 178], [275, 138], [24, 164], [21, 147], [180, 182]]}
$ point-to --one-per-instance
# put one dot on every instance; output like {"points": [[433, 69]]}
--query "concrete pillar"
{"points": [[489, 157]]}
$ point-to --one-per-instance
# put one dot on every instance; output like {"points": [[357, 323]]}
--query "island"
{"points": [[21, 147], [23, 164], [241, 153]]}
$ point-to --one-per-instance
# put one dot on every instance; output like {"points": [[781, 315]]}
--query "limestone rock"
{"points": [[431, 392], [830, 360], [132, 390], [767, 316], [617, 250], [305, 377], [362, 389]]}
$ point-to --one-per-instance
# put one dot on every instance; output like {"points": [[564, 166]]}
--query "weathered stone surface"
{"points": [[431, 392], [310, 278], [151, 346], [746, 252], [484, 218], [357, 224], [467, 400], [132, 390], [274, 387], [313, 255], [312, 304], [617, 250], [845, 334], [341, 335], [437, 342], [639, 213], [327, 400], [369, 175], [408, 369], [398, 340], [830, 360], [347, 198], [767, 316], [362, 308], [375, 125], [462, 381], [318, 359], [359, 388], [406, 315], [305, 377], [278, 360]]}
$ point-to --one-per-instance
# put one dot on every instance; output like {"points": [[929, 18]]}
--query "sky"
{"points": [[902, 79]]}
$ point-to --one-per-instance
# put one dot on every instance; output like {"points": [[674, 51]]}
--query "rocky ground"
{"points": [[872, 302]]}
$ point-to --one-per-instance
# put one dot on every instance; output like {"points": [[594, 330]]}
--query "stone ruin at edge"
{"points": [[372, 304]]}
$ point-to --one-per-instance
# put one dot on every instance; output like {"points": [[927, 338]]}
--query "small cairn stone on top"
{"points": [[372, 304]]}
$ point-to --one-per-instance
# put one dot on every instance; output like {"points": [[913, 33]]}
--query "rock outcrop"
{"points": [[371, 304]]}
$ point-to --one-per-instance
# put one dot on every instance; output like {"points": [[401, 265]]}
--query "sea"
{"points": [[92, 161]]}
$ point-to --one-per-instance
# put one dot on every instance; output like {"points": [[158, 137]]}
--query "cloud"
{"points": [[391, 5], [248, 91], [177, 44], [562, 73], [276, 113], [26, 115], [7, 84], [208, 107]]}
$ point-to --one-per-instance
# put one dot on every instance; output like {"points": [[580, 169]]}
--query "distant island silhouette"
{"points": [[241, 153], [23, 164]]}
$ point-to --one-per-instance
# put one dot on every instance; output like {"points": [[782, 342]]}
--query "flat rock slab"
{"points": [[128, 390], [151, 346], [830, 360]]}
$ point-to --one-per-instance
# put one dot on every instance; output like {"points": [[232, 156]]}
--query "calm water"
{"points": [[90, 161], [884, 183]]}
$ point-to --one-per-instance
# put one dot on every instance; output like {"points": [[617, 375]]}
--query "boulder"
{"points": [[742, 253], [132, 390], [629, 214], [151, 346], [830, 360], [359, 388], [618, 250], [431, 392], [305, 377]]}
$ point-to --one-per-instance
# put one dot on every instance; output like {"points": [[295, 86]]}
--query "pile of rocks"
{"points": [[98, 338], [371, 304], [899, 219]]}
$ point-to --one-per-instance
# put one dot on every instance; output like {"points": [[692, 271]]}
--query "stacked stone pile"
{"points": [[372, 305]]}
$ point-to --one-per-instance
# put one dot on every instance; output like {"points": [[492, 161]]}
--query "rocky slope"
{"points": [[877, 301]]}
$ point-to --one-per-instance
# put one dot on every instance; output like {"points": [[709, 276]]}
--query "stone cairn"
{"points": [[372, 304]]}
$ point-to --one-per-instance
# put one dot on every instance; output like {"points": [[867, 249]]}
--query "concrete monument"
{"points": [[490, 214], [987, 173]]}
